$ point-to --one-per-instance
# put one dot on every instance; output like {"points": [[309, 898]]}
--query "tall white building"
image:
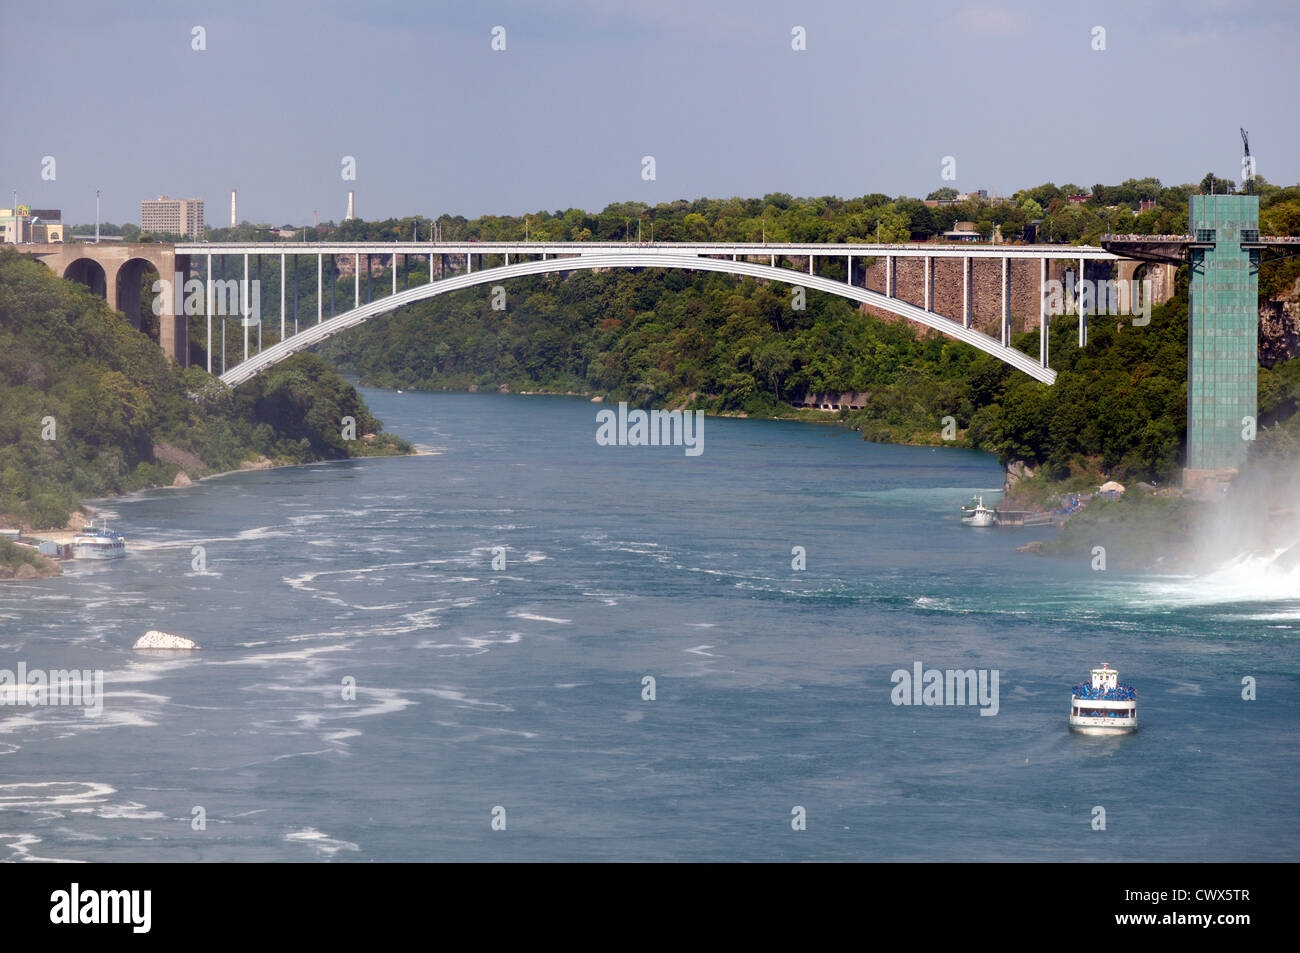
{"points": [[177, 216]]}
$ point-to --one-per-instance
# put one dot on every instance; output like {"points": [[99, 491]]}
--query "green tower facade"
{"points": [[1223, 333]]}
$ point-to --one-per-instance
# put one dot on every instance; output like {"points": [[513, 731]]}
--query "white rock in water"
{"points": [[153, 639]]}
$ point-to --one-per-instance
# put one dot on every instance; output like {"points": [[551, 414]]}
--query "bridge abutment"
{"points": [[114, 272]]}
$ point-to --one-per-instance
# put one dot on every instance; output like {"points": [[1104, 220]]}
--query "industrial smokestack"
{"points": [[350, 206], [233, 220]]}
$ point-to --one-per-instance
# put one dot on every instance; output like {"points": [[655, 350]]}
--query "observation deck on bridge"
{"points": [[1176, 249]]}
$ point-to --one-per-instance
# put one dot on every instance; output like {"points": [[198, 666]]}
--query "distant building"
{"points": [[962, 232], [1147, 205], [1076, 199], [174, 216], [27, 224]]}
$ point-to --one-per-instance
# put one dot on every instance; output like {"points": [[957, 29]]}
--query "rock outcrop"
{"points": [[153, 639]]}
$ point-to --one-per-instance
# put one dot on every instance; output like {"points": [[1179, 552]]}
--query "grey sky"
{"points": [[438, 122]]}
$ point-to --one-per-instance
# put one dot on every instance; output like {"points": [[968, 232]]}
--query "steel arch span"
{"points": [[326, 329]]}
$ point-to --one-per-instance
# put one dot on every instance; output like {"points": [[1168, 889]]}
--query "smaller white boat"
{"points": [[98, 542], [1105, 707], [979, 514]]}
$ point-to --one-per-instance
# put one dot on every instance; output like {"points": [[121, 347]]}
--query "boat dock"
{"points": [[1029, 518]]}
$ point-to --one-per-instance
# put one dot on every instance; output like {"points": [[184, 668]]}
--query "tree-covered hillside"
{"points": [[90, 407]]}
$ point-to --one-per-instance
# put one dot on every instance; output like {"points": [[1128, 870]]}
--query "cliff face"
{"points": [[1279, 318], [1279, 327]]}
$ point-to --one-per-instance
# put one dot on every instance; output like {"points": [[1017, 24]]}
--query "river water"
{"points": [[518, 694]]}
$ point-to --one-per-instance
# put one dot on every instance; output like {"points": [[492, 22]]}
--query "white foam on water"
{"points": [[455, 695], [53, 794], [382, 701], [275, 658], [19, 844], [532, 617], [130, 811], [321, 843], [1292, 616], [475, 644]]}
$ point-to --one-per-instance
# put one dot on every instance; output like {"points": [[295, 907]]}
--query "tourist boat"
{"points": [[98, 542], [979, 514], [1105, 707]]}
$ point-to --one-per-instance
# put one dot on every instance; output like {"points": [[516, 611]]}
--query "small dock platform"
{"points": [[1029, 518]]}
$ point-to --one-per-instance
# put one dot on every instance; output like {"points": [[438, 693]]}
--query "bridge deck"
{"points": [[727, 249]]}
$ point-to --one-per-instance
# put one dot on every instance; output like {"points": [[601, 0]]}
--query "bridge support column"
{"points": [[469, 263], [1006, 336], [848, 272], [965, 292], [356, 280], [394, 272], [1083, 318], [208, 309], [1042, 312], [320, 287], [927, 282], [889, 276], [282, 295], [173, 328], [243, 307]]}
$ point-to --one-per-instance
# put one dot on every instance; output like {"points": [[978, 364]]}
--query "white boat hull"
{"points": [[1082, 729], [979, 519], [98, 552]]}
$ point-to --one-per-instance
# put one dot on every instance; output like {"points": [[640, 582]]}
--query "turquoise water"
{"points": [[521, 688]]}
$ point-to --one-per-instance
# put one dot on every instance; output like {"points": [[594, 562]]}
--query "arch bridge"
{"points": [[518, 259], [115, 270]]}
